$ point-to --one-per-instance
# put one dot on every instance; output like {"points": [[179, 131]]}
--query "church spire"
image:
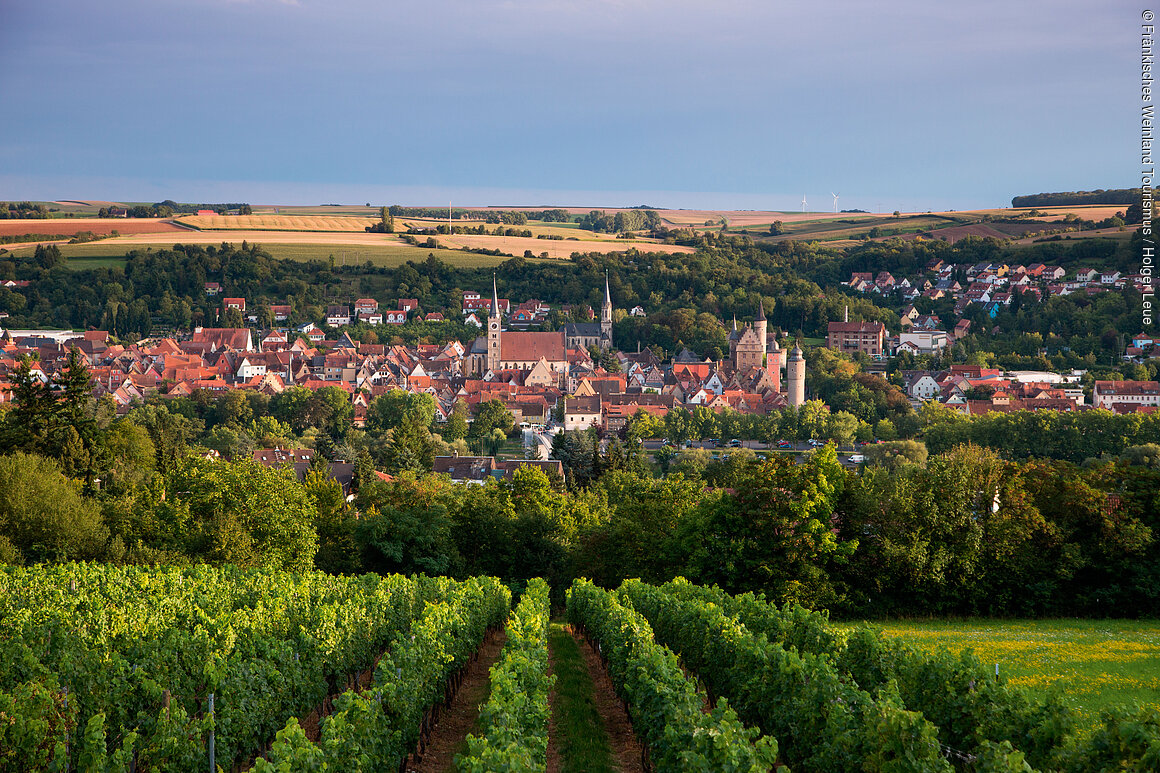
{"points": [[761, 310], [606, 316], [494, 297]]}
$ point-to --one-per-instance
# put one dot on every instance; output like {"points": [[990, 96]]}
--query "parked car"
{"points": [[857, 458], [734, 443], [784, 444]]}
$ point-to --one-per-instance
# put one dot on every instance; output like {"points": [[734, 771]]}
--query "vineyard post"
{"points": [[212, 761], [64, 690]]}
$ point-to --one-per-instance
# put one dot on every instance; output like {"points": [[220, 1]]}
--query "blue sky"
{"points": [[724, 104]]}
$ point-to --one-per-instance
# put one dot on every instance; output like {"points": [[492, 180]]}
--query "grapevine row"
{"points": [[139, 651], [515, 717], [376, 729], [990, 723], [824, 724], [665, 706]]}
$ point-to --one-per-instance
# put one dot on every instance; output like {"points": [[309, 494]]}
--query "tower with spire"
{"points": [[493, 329], [759, 326], [606, 316]]}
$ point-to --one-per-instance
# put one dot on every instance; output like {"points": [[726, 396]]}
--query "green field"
{"points": [[1092, 663], [103, 254]]}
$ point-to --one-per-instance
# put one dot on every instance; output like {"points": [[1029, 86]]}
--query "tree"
{"points": [[244, 513], [43, 515], [492, 415], [29, 423], [775, 533], [456, 426], [233, 318], [398, 406]]}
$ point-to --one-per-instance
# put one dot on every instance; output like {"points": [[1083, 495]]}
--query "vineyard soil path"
{"points": [[626, 749], [457, 720]]}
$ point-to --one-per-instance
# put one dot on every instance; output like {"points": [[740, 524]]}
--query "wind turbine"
{"points": [[803, 202], [835, 201]]}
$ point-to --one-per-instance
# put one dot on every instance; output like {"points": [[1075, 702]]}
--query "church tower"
{"points": [[795, 376], [606, 316], [493, 320]]}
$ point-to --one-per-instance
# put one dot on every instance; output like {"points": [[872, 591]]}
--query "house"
{"points": [[408, 304], [395, 316], [337, 315], [434, 316], [365, 306], [848, 337], [281, 312], [212, 288], [636, 311], [920, 385], [923, 341], [466, 469], [234, 303], [214, 338], [581, 412], [1116, 394], [371, 317]]}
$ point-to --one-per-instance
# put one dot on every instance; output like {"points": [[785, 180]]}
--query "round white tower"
{"points": [[795, 376]]}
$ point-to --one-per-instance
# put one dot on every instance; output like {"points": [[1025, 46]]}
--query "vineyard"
{"points": [[106, 668]]}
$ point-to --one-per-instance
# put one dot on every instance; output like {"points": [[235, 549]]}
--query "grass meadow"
{"points": [[1092, 663]]}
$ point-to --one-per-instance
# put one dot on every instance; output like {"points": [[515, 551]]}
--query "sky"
{"points": [[722, 104]]}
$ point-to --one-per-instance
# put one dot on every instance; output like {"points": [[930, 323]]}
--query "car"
{"points": [[734, 443], [815, 443], [857, 458], [784, 444]]}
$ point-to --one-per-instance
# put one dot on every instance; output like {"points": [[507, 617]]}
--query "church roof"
{"points": [[582, 329], [516, 346]]}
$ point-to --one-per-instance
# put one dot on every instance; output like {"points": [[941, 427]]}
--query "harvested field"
{"points": [[99, 226], [278, 223], [537, 227], [747, 219], [1089, 212], [516, 245], [347, 249]]}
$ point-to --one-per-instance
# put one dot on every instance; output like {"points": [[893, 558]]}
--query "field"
{"points": [[1093, 663], [517, 245], [100, 226], [277, 223], [301, 247]]}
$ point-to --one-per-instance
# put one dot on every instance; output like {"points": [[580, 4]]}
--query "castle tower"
{"points": [[606, 316], [493, 320], [774, 362], [759, 325], [795, 376]]}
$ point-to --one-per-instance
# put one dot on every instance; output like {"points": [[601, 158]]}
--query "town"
{"points": [[576, 378]]}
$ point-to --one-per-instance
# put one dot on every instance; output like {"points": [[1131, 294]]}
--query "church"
{"points": [[499, 349], [584, 335]]}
